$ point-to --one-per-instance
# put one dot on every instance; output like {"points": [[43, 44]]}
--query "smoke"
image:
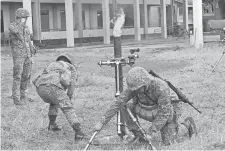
{"points": [[119, 22]]}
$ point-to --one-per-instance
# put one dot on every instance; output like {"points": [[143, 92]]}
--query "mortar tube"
{"points": [[118, 54]]}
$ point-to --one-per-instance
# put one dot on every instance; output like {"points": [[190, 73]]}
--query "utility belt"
{"points": [[148, 112], [147, 107]]}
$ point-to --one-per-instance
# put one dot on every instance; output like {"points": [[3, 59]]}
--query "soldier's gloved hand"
{"points": [[98, 126]]}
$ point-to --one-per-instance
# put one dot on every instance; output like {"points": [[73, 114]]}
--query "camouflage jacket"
{"points": [[20, 40], [157, 94], [51, 75]]}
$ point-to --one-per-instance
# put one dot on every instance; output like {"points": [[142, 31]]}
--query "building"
{"points": [[90, 19], [213, 14]]}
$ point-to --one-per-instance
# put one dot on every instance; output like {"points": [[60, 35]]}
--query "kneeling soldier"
{"points": [[152, 102], [51, 85]]}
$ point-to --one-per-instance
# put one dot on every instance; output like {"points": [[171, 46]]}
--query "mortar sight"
{"points": [[132, 51], [132, 56]]}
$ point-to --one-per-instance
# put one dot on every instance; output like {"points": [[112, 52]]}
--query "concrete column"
{"points": [[145, 18], [69, 23], [106, 21], [185, 14], [137, 29], [79, 20], [55, 17], [27, 5], [163, 18], [37, 20], [172, 15], [198, 28]]}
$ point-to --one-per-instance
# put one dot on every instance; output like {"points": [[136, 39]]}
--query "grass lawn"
{"points": [[25, 127]]}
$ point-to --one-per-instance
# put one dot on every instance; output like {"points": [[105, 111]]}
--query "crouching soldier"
{"points": [[151, 102], [55, 85]]}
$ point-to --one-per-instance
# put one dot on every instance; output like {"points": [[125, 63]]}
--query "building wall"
{"points": [[9, 10], [213, 17], [6, 16], [153, 2], [54, 21]]}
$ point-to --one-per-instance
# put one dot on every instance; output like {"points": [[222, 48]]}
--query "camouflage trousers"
{"points": [[57, 98], [21, 76], [171, 132]]}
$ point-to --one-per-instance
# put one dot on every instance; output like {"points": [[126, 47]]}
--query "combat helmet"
{"points": [[137, 77], [22, 13], [68, 56]]}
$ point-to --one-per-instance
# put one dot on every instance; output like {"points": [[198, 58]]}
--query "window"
{"points": [[2, 22], [63, 20], [45, 20], [129, 18], [100, 20], [129, 22], [190, 10], [181, 11], [83, 18]]}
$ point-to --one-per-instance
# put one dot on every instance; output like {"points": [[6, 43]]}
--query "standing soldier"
{"points": [[151, 102], [22, 51], [56, 85]]}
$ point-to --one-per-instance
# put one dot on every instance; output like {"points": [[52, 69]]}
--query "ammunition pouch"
{"points": [[146, 112]]}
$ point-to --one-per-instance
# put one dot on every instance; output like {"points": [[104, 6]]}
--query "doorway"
{"points": [[2, 22]]}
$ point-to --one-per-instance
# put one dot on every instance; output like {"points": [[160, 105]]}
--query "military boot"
{"points": [[79, 135], [52, 124], [18, 102], [191, 126]]}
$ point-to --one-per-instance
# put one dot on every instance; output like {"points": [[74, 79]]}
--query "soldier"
{"points": [[151, 102], [22, 51], [51, 85]]}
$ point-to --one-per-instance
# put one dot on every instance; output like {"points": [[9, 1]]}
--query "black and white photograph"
{"points": [[112, 75]]}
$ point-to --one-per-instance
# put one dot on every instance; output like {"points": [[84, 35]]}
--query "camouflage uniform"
{"points": [[22, 51], [153, 105], [55, 85]]}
